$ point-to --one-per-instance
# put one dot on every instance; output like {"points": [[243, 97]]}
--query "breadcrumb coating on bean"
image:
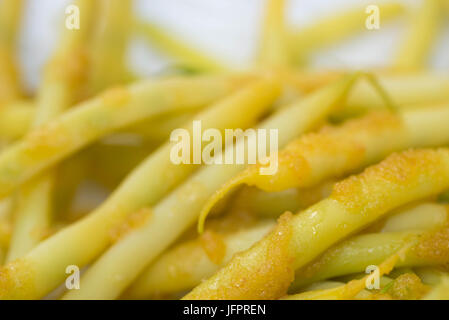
{"points": [[133, 221], [434, 246], [214, 246], [16, 277], [400, 172], [331, 152], [408, 286], [342, 143], [292, 168], [236, 219]]}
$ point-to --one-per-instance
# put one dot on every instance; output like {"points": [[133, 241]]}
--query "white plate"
{"points": [[228, 29]]}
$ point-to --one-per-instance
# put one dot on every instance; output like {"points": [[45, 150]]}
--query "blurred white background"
{"points": [[227, 29]]}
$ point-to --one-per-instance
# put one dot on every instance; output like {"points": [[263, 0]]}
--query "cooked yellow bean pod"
{"points": [[10, 17], [15, 119], [186, 265], [267, 269], [274, 50], [181, 52], [335, 151], [411, 90], [273, 204], [57, 93], [356, 254], [431, 275], [338, 27], [441, 292], [179, 210], [421, 216], [106, 180], [83, 241], [97, 117], [354, 287], [415, 51], [109, 45]]}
